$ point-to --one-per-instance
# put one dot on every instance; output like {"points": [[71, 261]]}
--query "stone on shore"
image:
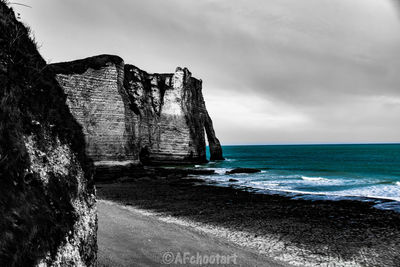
{"points": [[243, 170]]}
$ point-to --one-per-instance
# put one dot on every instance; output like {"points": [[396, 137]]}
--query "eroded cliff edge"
{"points": [[47, 201], [130, 116]]}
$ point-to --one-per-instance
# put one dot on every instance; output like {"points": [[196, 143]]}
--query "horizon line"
{"points": [[302, 144]]}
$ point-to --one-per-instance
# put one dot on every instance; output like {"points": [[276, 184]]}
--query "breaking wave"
{"points": [[313, 178]]}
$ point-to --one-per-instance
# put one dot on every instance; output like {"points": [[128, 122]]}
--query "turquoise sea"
{"points": [[361, 171]]}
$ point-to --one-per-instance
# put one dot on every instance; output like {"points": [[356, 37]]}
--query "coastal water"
{"points": [[315, 171]]}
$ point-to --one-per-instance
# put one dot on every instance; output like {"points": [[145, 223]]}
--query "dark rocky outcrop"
{"points": [[47, 202], [135, 173], [177, 171], [242, 170], [130, 116]]}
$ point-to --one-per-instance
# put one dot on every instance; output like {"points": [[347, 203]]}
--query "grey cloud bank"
{"points": [[278, 71]]}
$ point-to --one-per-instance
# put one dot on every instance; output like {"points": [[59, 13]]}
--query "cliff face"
{"points": [[170, 115], [129, 115], [97, 99], [47, 202]]}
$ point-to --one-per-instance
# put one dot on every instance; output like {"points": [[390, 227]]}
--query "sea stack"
{"points": [[132, 117]]}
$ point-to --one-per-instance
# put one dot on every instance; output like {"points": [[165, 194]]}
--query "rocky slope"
{"points": [[47, 202], [130, 116]]}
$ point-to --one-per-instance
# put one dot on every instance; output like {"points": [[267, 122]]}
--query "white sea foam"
{"points": [[197, 166], [263, 184], [300, 186], [389, 192], [395, 205], [220, 171], [313, 178]]}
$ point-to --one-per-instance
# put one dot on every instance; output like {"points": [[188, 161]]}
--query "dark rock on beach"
{"points": [[242, 170], [181, 171], [132, 173]]}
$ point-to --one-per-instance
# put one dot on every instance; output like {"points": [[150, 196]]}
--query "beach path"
{"points": [[131, 237]]}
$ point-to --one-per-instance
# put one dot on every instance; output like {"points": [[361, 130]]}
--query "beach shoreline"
{"points": [[129, 236], [298, 232]]}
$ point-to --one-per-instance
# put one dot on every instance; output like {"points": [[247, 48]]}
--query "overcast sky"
{"points": [[273, 71]]}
